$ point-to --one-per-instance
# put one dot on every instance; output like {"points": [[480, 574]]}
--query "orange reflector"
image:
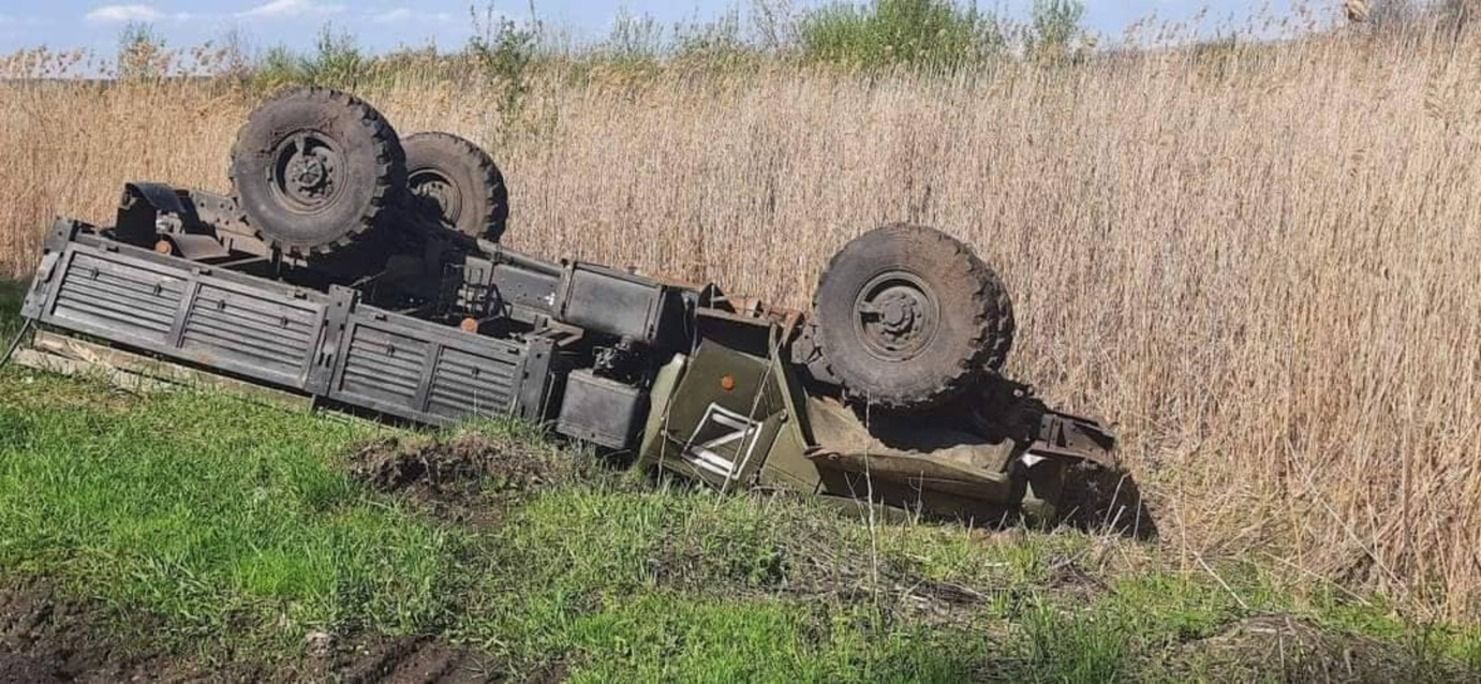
{"points": [[469, 325], [727, 383], [164, 247]]}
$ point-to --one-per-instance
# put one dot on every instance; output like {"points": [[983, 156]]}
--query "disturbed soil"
{"points": [[398, 660], [472, 478], [45, 638], [457, 476]]}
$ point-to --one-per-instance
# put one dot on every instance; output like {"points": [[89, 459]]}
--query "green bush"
{"points": [[335, 61], [1055, 29], [922, 32], [934, 34], [719, 39], [504, 51]]}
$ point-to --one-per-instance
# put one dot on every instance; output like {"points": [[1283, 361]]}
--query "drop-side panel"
{"points": [[118, 298], [273, 335], [425, 371], [474, 384], [287, 336], [382, 365], [165, 305]]}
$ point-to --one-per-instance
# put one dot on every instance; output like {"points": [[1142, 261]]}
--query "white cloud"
{"points": [[118, 14], [404, 15], [291, 8]]}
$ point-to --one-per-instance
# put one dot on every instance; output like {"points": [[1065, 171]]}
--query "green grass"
{"points": [[11, 294], [212, 512], [232, 530], [674, 582]]}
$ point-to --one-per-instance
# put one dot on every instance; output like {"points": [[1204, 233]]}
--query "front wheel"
{"points": [[908, 316]]}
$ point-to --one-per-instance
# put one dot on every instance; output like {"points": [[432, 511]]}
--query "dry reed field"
{"points": [[1258, 262]]}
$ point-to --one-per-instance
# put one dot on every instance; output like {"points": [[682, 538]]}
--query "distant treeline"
{"points": [[933, 35], [926, 33]]}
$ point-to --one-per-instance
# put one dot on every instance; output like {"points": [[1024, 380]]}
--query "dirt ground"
{"points": [[1288, 648], [47, 639], [44, 639]]}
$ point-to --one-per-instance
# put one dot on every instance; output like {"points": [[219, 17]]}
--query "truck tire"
{"points": [[907, 317], [454, 181], [315, 169]]}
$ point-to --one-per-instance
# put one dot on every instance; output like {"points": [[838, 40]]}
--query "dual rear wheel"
{"points": [[454, 181], [316, 170], [907, 317]]}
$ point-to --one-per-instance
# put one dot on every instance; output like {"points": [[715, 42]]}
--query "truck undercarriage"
{"points": [[364, 272]]}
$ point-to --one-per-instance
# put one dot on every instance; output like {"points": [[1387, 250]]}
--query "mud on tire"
{"points": [[315, 169], [907, 316], [454, 181]]}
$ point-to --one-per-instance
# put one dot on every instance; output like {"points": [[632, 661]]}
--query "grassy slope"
{"points": [[236, 528]]}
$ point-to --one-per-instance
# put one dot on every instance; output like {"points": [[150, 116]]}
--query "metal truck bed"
{"points": [[324, 345]]}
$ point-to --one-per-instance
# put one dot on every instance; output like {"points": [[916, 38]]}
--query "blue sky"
{"points": [[386, 24]]}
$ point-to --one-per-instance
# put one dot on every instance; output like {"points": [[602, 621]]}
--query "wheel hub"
{"points": [[897, 316], [436, 188], [304, 173], [309, 174]]}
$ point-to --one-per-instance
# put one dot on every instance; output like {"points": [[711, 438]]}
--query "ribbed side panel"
{"points": [[121, 298], [467, 384], [383, 365], [269, 335]]}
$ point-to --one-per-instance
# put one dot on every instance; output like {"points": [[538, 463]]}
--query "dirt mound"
{"points": [[455, 474]]}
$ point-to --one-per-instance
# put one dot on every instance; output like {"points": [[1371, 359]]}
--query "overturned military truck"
{"points": [[364, 270]]}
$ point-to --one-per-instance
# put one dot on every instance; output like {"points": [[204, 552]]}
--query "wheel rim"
{"points": [[438, 189], [305, 175], [896, 315]]}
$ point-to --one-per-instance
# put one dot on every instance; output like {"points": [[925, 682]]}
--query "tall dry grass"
{"points": [[1260, 262]]}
